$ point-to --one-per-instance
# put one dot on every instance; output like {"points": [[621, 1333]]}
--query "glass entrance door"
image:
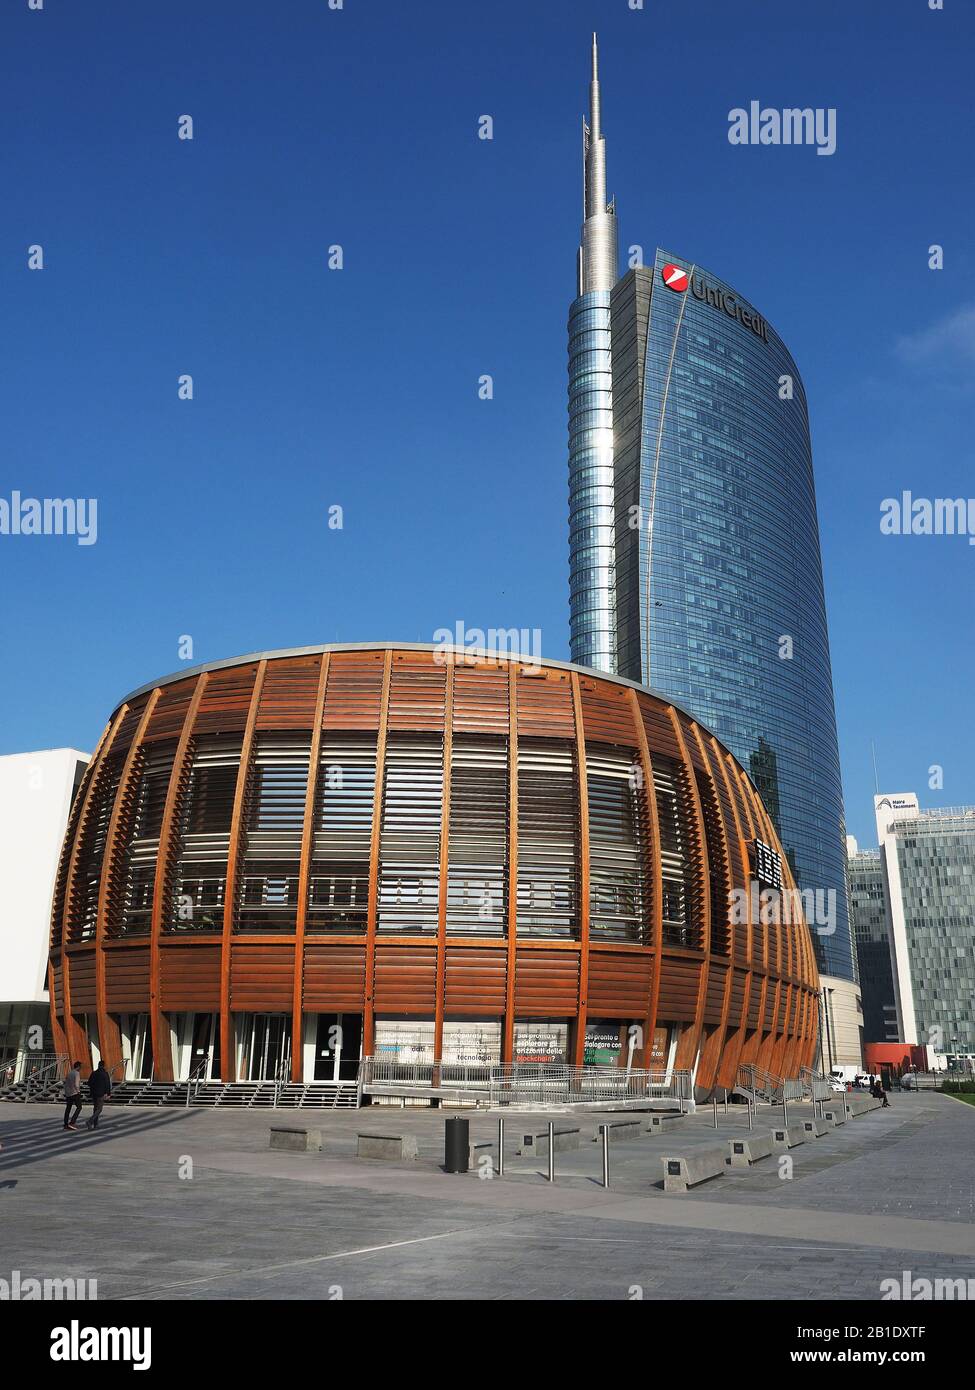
{"points": [[338, 1044], [267, 1046], [136, 1035], [205, 1046]]}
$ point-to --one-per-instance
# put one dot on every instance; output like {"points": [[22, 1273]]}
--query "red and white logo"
{"points": [[674, 277]]}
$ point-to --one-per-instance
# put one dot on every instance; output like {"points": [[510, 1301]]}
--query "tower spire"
{"points": [[597, 253], [594, 90]]}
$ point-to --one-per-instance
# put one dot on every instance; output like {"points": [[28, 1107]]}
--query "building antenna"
{"points": [[876, 779], [597, 269]]}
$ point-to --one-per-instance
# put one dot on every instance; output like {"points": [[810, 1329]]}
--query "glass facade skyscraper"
{"points": [[591, 510], [688, 426], [871, 935], [719, 587]]}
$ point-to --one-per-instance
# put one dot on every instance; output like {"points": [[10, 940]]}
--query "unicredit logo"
{"points": [[674, 278]]}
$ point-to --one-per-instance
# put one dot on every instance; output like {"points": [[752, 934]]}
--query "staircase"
{"points": [[241, 1095], [42, 1082], [757, 1085]]}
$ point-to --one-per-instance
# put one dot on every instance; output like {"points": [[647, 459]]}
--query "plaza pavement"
{"points": [[888, 1192]]}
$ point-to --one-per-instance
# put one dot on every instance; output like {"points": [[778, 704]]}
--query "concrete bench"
{"points": [[534, 1144], [618, 1130], [836, 1116], [688, 1170], [859, 1102], [476, 1147], [742, 1153], [295, 1139], [397, 1147], [815, 1127], [787, 1137], [660, 1124]]}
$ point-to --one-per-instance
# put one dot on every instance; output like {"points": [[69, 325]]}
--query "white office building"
{"points": [[928, 861]]}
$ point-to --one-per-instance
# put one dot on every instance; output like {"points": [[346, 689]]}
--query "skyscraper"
{"points": [[591, 510], [715, 587], [871, 933], [928, 860]]}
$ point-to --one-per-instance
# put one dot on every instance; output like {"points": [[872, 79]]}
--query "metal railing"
{"points": [[194, 1079], [41, 1072], [528, 1083], [282, 1078], [815, 1086], [763, 1085]]}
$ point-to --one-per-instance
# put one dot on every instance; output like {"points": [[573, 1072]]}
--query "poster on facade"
{"points": [[471, 1044], [541, 1043], [659, 1049], [603, 1046], [405, 1041]]}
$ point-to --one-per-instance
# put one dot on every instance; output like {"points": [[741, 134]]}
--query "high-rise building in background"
{"points": [[928, 860], [591, 509], [710, 588], [871, 935]]}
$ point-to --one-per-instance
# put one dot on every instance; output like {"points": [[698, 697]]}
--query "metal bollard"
{"points": [[749, 1103], [785, 1109], [457, 1146], [726, 1100], [551, 1151], [715, 1106], [605, 1155], [501, 1147]]}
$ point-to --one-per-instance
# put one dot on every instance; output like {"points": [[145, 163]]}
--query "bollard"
{"points": [[605, 1155], [785, 1110], [748, 1101], [457, 1142], [726, 1100], [715, 1101], [551, 1150], [501, 1147]]}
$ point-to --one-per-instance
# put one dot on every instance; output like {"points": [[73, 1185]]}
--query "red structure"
{"points": [[894, 1059]]}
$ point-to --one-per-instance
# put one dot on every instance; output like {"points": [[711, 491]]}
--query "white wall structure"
{"points": [[36, 791], [840, 1023]]}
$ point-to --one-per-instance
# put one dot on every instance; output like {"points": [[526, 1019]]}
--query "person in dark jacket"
{"points": [[72, 1095], [99, 1088], [878, 1092]]}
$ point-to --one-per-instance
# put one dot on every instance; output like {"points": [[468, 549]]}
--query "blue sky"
{"points": [[359, 387]]}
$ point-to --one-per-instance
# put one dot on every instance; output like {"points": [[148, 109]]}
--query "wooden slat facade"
{"points": [[740, 990]]}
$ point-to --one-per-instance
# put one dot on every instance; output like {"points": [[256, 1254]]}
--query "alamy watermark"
{"points": [[50, 516], [457, 643], [78, 1343], [21, 1289], [793, 125], [921, 1290], [784, 906], [908, 515]]}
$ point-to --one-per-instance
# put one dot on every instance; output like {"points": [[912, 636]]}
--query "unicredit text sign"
{"points": [[678, 280]]}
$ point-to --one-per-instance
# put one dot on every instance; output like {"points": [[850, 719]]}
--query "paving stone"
{"points": [[252, 1223]]}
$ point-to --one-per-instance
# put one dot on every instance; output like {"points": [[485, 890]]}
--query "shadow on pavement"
{"points": [[33, 1140]]}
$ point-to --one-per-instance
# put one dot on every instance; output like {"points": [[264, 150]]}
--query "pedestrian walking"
{"points": [[72, 1095], [99, 1088]]}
